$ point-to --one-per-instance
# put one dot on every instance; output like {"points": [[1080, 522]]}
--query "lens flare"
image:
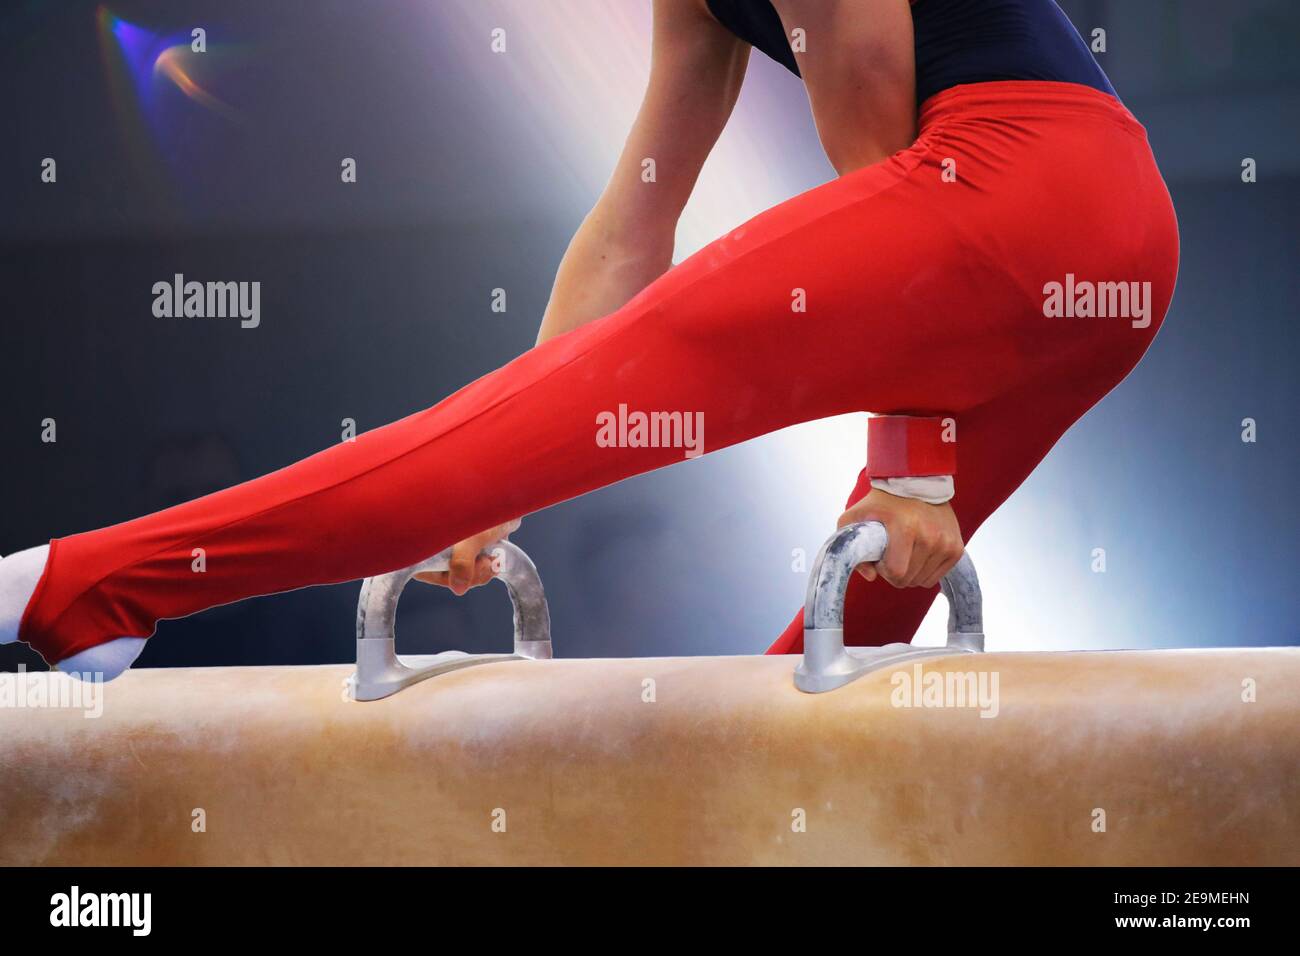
{"points": [[170, 63], [138, 57]]}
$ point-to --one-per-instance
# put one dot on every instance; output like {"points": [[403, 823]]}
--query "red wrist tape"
{"points": [[900, 446]]}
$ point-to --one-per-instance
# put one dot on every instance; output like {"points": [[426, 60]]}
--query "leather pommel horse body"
{"points": [[1122, 758]]}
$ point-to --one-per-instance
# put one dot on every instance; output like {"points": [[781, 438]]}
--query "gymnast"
{"points": [[981, 157]]}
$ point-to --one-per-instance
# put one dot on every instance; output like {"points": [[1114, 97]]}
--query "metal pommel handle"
{"points": [[827, 663], [381, 672]]}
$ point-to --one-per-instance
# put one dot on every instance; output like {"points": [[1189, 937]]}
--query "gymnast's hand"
{"points": [[470, 568], [924, 539]]}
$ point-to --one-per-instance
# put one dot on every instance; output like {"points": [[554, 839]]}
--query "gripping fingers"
{"points": [[896, 566], [912, 560], [479, 574], [931, 569], [941, 554], [469, 567], [461, 567]]}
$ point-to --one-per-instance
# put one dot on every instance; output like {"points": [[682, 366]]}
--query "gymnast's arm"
{"points": [[626, 241]]}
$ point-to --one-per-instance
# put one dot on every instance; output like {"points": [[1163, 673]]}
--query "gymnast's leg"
{"points": [[901, 308], [715, 340]]}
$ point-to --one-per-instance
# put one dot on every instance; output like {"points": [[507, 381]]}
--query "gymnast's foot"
{"points": [[20, 572]]}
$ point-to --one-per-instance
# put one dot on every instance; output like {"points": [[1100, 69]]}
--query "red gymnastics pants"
{"points": [[923, 278]]}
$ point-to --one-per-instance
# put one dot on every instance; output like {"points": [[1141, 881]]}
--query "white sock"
{"points": [[103, 661], [20, 572]]}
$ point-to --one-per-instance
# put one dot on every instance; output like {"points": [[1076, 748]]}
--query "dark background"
{"points": [[375, 303]]}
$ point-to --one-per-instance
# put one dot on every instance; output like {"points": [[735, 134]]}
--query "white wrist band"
{"points": [[932, 489]]}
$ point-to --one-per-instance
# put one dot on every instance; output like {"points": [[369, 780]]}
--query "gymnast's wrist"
{"points": [[932, 489], [908, 446], [912, 456]]}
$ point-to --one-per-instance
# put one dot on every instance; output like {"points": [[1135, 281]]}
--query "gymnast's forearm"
{"points": [[607, 263], [626, 241]]}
